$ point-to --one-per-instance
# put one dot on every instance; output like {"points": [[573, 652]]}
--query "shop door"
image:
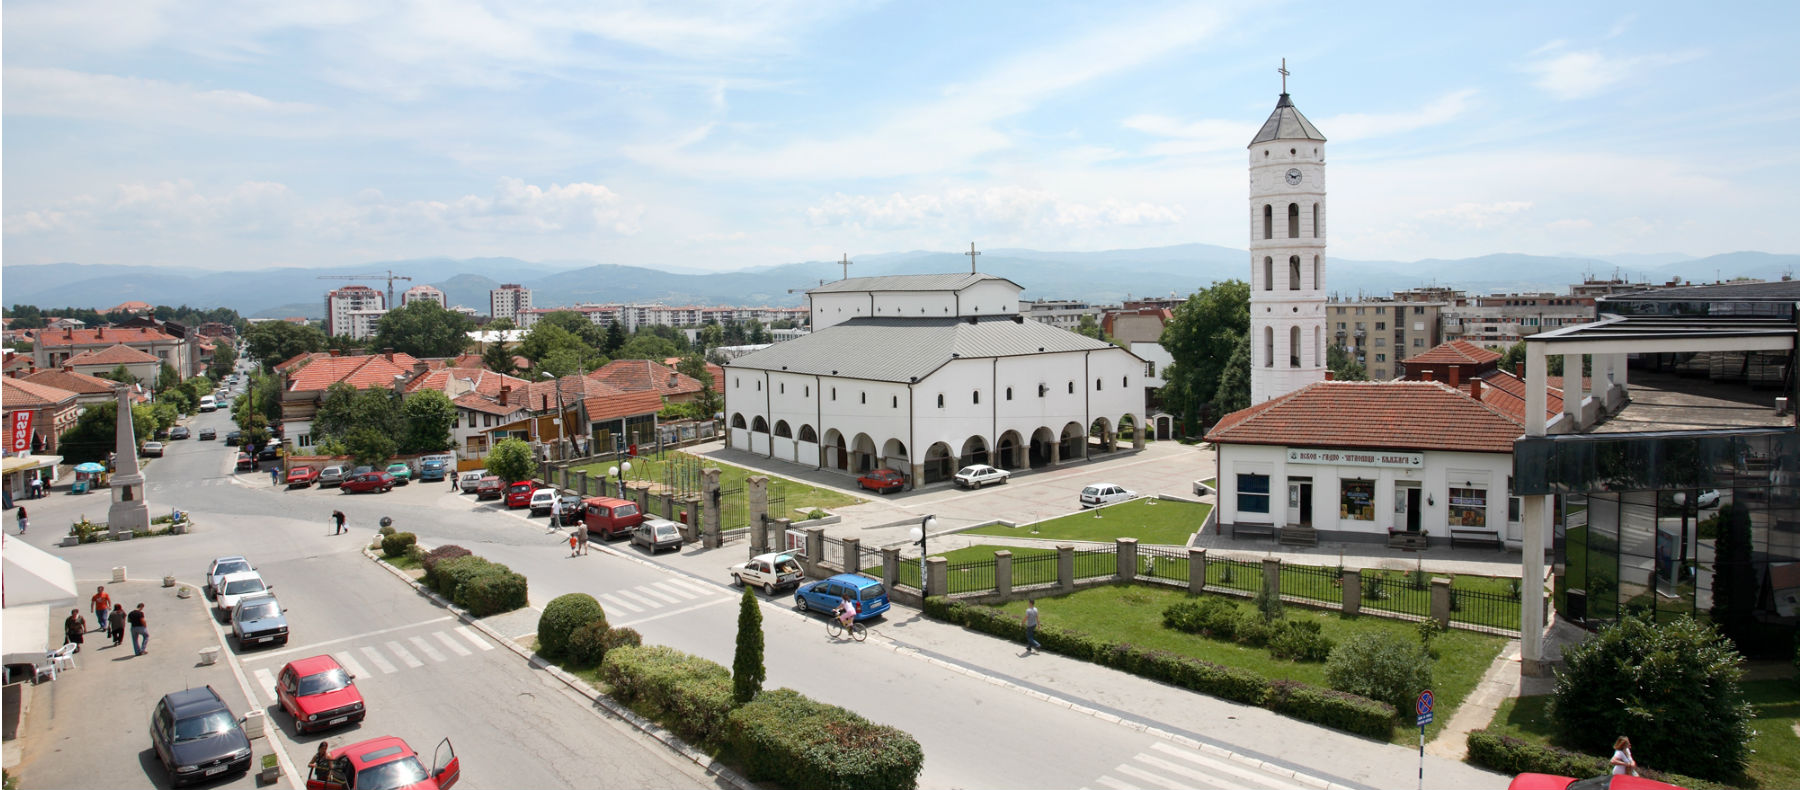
{"points": [[1300, 502], [1412, 510]]}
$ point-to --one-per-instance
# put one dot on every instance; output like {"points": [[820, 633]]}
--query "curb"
{"points": [[578, 685]]}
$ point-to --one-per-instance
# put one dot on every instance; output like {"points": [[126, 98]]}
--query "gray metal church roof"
{"points": [[906, 282], [907, 349], [1286, 123]]}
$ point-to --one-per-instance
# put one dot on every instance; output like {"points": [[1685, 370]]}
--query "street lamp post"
{"points": [[921, 534], [561, 415], [618, 473]]}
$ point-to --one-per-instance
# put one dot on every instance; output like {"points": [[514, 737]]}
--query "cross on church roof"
{"points": [[971, 253], [846, 264], [1284, 75]]}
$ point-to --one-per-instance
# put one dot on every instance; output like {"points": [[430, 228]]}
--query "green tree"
{"points": [[544, 339], [369, 447], [423, 328], [747, 670], [1091, 328], [1234, 380], [377, 408], [498, 358], [500, 325], [511, 461], [164, 413], [734, 334], [709, 402], [429, 415], [224, 360], [121, 374], [273, 342], [255, 428], [167, 376], [578, 325], [94, 433], [336, 412], [181, 400], [1344, 367], [711, 336], [1202, 337], [615, 338], [1673, 688], [648, 346], [1734, 581], [755, 333], [561, 362], [1513, 357]]}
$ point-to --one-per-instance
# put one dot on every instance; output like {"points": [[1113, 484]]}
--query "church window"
{"points": [[1291, 152], [1268, 221], [1009, 393], [1071, 387], [1294, 347], [1315, 220], [1124, 381], [735, 383], [808, 392], [863, 397], [1293, 272], [783, 388], [940, 400], [1268, 346], [977, 396], [1268, 273], [759, 386], [1293, 220], [895, 402], [834, 393], [1096, 385], [1043, 390], [1317, 283], [1318, 347]]}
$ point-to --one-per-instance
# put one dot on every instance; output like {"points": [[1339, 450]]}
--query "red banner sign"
{"points": [[21, 431]]}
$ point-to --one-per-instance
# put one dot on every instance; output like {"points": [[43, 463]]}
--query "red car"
{"points": [[318, 694], [1603, 782], [244, 461], [519, 494], [385, 763], [378, 482], [301, 476], [882, 481]]}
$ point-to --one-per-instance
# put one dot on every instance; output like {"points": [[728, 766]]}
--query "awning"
{"points": [[27, 634], [31, 575], [26, 463]]}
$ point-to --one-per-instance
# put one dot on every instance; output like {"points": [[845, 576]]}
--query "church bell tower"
{"points": [[1287, 252]]}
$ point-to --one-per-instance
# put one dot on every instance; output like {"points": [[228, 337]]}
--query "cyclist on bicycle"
{"points": [[846, 613]]}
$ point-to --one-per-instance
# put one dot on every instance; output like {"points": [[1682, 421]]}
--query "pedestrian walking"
{"points": [[1031, 624], [140, 631], [572, 544], [450, 475], [102, 604], [115, 624], [74, 629], [582, 536], [275, 475], [1623, 764], [24, 521], [337, 520], [37, 488]]}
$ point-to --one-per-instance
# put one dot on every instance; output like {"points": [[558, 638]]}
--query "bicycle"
{"points": [[858, 631]]}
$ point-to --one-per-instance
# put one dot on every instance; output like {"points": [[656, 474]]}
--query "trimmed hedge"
{"points": [[1347, 712], [562, 617], [482, 587], [692, 694], [396, 544], [784, 737], [1508, 755], [1232, 683], [431, 558], [587, 645]]}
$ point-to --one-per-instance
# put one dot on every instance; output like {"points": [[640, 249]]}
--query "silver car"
{"points": [[259, 621], [333, 476], [467, 482], [657, 534]]}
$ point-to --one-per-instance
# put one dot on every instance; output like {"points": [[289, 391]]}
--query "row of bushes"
{"points": [[1220, 618], [1508, 755], [781, 736], [473, 583], [573, 628], [1347, 712]]}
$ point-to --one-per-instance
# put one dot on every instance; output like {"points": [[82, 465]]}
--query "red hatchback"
{"points": [[318, 694], [301, 476], [519, 494], [378, 482], [385, 763], [882, 481]]}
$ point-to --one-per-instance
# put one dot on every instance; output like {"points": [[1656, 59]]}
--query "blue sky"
{"points": [[241, 135]]}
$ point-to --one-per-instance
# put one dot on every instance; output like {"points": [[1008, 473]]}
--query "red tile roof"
{"points": [[475, 401], [101, 335], [289, 364], [1455, 352], [116, 355], [637, 375], [1506, 392], [80, 383], [22, 395], [541, 394], [358, 372], [1397, 415], [481, 380], [623, 404]]}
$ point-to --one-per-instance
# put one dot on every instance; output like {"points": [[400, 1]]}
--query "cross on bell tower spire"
{"points": [[971, 253], [1284, 75]]}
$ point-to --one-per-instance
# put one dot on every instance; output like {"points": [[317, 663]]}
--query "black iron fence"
{"points": [[975, 576], [1163, 564]]}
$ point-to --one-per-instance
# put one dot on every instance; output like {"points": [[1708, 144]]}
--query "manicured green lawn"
{"points": [[800, 496], [971, 570], [1150, 520], [1775, 756], [1133, 613]]}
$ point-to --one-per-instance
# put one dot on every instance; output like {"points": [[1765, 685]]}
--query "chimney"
{"points": [[505, 391], [100, 333], [1455, 376], [389, 353], [1519, 369], [1426, 375], [334, 352], [1329, 376], [1475, 389], [67, 368], [69, 333]]}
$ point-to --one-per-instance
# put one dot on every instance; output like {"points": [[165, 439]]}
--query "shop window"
{"points": [[1468, 507], [1253, 493], [1356, 500]]}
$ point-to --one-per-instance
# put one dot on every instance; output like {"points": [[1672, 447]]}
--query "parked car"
{"points": [[238, 586], [518, 494], [572, 512], [333, 475], [471, 479], [221, 567], [978, 475], [234, 438], [1706, 499], [657, 534], [401, 473], [152, 450], [367, 482], [197, 737], [244, 461], [302, 476], [178, 432], [383, 763], [433, 469], [1105, 494], [259, 621], [208, 434], [319, 694], [541, 500], [1603, 782], [490, 487], [771, 572], [825, 595], [269, 452], [610, 517], [882, 481]]}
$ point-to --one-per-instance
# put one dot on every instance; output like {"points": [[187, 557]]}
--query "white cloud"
{"points": [[63, 93], [1358, 126], [1570, 225], [1211, 134], [1008, 208], [515, 207], [1476, 215], [1579, 75], [1188, 137]]}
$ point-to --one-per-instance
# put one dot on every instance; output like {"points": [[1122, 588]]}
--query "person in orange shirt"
{"points": [[102, 606]]}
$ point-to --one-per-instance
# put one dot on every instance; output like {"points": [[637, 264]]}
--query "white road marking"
{"points": [[615, 602], [429, 651], [649, 590], [379, 661], [667, 586], [450, 643], [690, 586], [469, 634], [313, 648], [1145, 776], [400, 653], [673, 612], [265, 682], [1211, 764], [1116, 784], [349, 664], [641, 600]]}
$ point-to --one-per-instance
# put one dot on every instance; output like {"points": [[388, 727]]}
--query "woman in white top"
{"points": [[1622, 763]]}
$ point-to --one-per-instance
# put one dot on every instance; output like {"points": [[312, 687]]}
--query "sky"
{"points": [[719, 136]]}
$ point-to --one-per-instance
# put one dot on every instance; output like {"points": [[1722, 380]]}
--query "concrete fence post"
{"points": [[1352, 592], [1272, 575], [759, 536], [936, 575], [690, 512], [852, 555], [581, 483], [778, 530], [1196, 570], [709, 504], [756, 488], [890, 568], [1003, 574], [815, 550], [1440, 601], [1127, 554], [1065, 566]]}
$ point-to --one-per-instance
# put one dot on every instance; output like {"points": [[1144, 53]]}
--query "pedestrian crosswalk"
{"points": [[1166, 765], [389, 656], [656, 595]]}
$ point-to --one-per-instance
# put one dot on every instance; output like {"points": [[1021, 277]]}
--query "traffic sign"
{"points": [[1424, 707]]}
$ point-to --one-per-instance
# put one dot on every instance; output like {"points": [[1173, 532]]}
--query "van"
{"points": [[609, 517], [208, 403]]}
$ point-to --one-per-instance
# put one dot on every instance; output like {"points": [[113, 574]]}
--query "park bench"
{"points": [[1252, 530], [1484, 537]]}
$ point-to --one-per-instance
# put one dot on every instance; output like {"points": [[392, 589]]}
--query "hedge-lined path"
{"points": [[1501, 680]]}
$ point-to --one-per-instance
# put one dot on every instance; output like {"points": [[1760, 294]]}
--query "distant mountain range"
{"points": [[1099, 277]]}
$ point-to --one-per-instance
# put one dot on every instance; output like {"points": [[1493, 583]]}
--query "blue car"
{"points": [[432, 470], [826, 595]]}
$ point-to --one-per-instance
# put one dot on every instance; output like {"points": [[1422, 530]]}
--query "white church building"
{"points": [[927, 373]]}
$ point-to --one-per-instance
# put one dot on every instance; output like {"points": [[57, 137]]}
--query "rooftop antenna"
{"points": [[972, 253]]}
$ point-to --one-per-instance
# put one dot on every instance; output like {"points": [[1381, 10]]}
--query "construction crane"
{"points": [[390, 277]]}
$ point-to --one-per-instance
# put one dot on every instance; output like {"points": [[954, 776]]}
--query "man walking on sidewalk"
{"points": [[337, 519], [1031, 624], [140, 631], [102, 605]]}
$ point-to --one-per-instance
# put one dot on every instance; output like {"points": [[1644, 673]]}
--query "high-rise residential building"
{"points": [[1287, 253], [507, 300], [1378, 333], [339, 304], [426, 292]]}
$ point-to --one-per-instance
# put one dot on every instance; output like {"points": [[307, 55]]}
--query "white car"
{"points": [[768, 571], [238, 586], [469, 479], [152, 450], [220, 568], [1706, 499], [978, 475], [542, 500], [1105, 494]]}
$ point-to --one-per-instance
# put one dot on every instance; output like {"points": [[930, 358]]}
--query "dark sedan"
{"points": [[197, 737]]}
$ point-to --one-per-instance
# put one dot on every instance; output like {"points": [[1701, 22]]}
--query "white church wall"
{"points": [[829, 309], [914, 304], [990, 297]]}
